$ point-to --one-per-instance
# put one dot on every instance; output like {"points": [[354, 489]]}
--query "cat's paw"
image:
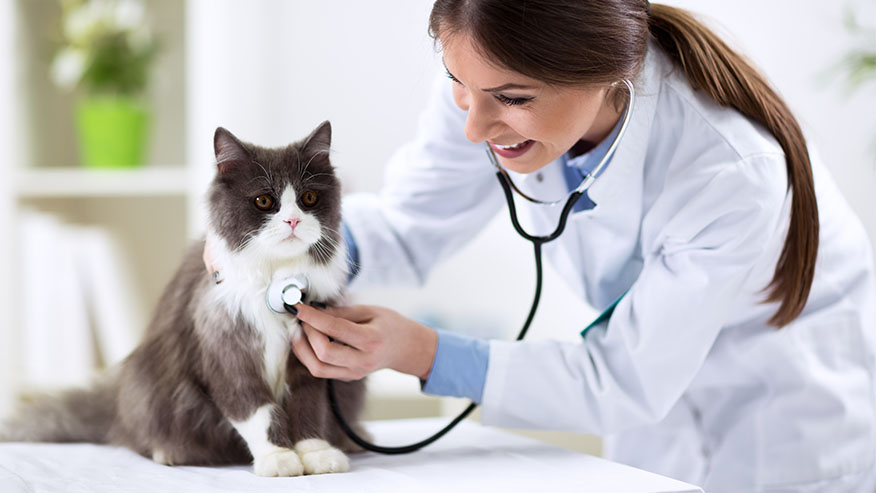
{"points": [[160, 457], [319, 457], [280, 462]]}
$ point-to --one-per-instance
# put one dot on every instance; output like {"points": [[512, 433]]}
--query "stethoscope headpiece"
{"points": [[286, 291]]}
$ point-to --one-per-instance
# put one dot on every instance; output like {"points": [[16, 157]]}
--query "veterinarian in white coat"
{"points": [[686, 377]]}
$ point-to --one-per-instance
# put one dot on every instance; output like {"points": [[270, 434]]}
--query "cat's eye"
{"points": [[309, 198], [264, 202]]}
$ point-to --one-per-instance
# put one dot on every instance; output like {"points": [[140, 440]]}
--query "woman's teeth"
{"points": [[515, 146]]}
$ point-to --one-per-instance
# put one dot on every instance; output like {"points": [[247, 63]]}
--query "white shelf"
{"points": [[148, 181], [389, 383]]}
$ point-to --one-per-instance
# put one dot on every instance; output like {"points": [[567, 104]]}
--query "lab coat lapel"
{"points": [[599, 252], [629, 157], [607, 249]]}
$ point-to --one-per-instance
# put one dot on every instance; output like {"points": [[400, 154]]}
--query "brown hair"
{"points": [[566, 42]]}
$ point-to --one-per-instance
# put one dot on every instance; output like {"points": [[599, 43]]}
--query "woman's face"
{"points": [[505, 108]]}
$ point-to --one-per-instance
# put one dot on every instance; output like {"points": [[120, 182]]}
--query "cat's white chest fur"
{"points": [[276, 331], [242, 291]]}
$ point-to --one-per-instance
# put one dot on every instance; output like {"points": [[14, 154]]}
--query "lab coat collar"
{"points": [[630, 154]]}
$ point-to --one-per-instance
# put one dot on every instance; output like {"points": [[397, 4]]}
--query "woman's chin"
{"points": [[531, 161], [523, 167]]}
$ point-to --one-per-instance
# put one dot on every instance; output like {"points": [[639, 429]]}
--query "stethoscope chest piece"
{"points": [[285, 291]]}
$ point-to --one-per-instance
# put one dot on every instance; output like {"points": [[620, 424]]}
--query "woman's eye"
{"points": [[451, 77], [264, 202], [512, 101], [309, 198]]}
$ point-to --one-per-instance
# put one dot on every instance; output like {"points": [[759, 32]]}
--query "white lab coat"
{"points": [[686, 379]]}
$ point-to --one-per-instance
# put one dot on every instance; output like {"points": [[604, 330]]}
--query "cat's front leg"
{"points": [[269, 459], [234, 370]]}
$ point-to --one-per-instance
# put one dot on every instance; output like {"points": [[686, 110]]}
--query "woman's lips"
{"points": [[511, 153]]}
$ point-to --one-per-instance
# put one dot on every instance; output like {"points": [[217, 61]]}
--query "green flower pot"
{"points": [[112, 132]]}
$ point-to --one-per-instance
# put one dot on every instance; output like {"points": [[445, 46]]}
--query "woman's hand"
{"points": [[210, 263], [363, 339]]}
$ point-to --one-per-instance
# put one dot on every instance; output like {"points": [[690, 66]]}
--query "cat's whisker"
{"points": [[317, 153], [310, 178], [323, 252], [268, 175], [331, 242], [270, 185]]}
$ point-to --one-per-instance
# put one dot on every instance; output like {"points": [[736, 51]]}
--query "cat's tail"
{"points": [[80, 415]]}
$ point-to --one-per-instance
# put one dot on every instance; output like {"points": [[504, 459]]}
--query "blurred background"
{"points": [[89, 236]]}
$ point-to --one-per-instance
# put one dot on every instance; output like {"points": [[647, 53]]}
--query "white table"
{"points": [[471, 458]]}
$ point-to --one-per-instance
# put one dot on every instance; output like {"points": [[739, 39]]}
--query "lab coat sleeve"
{"points": [[439, 191], [631, 370]]}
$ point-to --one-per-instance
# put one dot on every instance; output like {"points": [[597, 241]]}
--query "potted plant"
{"points": [[106, 54], [860, 62]]}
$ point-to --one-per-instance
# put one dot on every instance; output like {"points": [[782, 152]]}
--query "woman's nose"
{"points": [[479, 122]]}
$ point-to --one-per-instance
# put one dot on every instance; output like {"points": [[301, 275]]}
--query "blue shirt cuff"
{"points": [[459, 368], [352, 252]]}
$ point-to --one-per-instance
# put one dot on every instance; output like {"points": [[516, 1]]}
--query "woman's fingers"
{"points": [[210, 263], [306, 355], [355, 313], [329, 352], [334, 327]]}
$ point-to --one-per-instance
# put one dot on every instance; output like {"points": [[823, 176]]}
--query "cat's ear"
{"points": [[227, 148], [321, 138]]}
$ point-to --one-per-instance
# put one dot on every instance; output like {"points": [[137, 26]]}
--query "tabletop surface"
{"points": [[470, 458]]}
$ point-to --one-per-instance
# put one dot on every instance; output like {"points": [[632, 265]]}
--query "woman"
{"points": [[739, 352]]}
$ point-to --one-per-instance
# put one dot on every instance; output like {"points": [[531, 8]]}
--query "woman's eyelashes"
{"points": [[500, 97], [512, 101]]}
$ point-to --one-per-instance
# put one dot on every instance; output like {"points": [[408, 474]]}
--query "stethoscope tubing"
{"points": [[537, 242]]}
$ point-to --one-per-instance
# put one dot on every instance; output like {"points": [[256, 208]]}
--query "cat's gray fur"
{"points": [[200, 366]]}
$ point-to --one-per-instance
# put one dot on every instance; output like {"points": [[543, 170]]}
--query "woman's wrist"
{"points": [[420, 352]]}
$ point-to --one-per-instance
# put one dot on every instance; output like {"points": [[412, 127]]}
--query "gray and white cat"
{"points": [[214, 380]]}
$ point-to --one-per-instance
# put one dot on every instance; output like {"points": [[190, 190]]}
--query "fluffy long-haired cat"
{"points": [[214, 380]]}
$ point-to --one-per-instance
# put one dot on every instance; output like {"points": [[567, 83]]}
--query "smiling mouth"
{"points": [[512, 147], [513, 151]]}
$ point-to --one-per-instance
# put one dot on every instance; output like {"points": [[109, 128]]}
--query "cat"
{"points": [[214, 381]]}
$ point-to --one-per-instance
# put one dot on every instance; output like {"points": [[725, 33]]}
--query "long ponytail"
{"points": [[711, 66], [566, 42]]}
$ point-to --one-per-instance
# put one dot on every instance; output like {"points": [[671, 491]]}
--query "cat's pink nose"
{"points": [[292, 223]]}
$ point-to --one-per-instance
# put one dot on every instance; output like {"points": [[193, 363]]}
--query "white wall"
{"points": [[8, 155], [795, 43], [272, 70]]}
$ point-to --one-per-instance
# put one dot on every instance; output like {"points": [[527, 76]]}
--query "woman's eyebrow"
{"points": [[503, 87]]}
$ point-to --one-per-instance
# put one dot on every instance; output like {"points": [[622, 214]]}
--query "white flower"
{"points": [[83, 22], [67, 67], [129, 14]]}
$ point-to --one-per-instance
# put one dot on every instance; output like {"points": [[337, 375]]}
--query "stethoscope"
{"points": [[283, 294]]}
